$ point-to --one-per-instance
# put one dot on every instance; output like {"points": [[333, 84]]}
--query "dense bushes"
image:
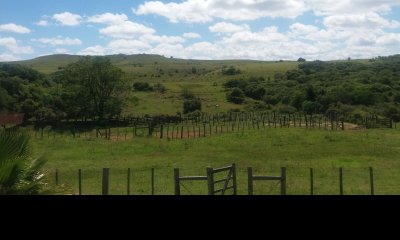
{"points": [[316, 87]]}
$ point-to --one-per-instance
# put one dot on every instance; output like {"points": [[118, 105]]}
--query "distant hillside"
{"points": [[152, 66]]}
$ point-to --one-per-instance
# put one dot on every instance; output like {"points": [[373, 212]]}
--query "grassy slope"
{"points": [[266, 151], [175, 74]]}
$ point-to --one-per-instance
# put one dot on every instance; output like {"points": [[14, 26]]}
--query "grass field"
{"points": [[264, 150]]}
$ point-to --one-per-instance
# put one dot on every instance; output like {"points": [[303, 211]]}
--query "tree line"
{"points": [[91, 87], [347, 87]]}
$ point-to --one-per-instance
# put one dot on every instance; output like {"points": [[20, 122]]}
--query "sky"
{"points": [[201, 29]]}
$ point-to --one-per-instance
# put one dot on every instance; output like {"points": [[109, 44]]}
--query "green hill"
{"points": [[202, 77], [355, 87], [151, 66]]}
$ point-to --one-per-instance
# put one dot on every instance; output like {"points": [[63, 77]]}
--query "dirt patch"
{"points": [[351, 126]]}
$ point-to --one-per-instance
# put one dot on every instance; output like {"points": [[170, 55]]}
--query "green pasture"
{"points": [[265, 150]]}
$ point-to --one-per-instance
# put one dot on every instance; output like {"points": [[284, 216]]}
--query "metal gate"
{"points": [[220, 186]]}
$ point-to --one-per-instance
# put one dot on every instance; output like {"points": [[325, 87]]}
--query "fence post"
{"points": [[152, 181], [283, 181], [312, 181], [162, 131], [371, 179], [128, 182], [177, 183], [105, 185], [182, 132], [341, 180], [234, 179], [56, 177], [250, 180], [210, 180], [80, 181]]}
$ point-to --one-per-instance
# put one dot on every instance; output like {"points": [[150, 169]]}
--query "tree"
{"points": [[94, 84], [310, 94], [236, 96], [191, 105], [301, 60], [19, 172]]}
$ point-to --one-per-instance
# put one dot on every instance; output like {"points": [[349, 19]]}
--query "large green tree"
{"points": [[92, 86]]}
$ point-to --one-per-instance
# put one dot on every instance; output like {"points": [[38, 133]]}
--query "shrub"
{"points": [[191, 105], [236, 96], [142, 87]]}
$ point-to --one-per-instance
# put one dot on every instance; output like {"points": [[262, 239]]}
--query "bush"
{"points": [[142, 87], [230, 71], [236, 96], [191, 105], [255, 92]]}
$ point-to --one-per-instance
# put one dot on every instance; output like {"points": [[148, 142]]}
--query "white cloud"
{"points": [[300, 29], [333, 7], [8, 57], [224, 27], [126, 29], [11, 44], [167, 49], [162, 39], [59, 41], [203, 50], [191, 35], [42, 23], [368, 21], [93, 51], [62, 51], [208, 10], [127, 46], [391, 39], [108, 18], [67, 19], [14, 28]]}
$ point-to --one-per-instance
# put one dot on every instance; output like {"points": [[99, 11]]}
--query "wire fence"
{"points": [[160, 181]]}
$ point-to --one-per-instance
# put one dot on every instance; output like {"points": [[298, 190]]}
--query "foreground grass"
{"points": [[265, 150]]}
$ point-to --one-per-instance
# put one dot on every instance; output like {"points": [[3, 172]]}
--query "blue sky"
{"points": [[201, 29]]}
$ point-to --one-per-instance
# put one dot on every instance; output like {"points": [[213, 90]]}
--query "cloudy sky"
{"points": [[201, 29]]}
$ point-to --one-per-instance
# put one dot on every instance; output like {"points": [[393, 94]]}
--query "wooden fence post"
{"points": [[152, 181], [182, 132], [80, 181], [128, 182], [234, 179], [56, 177], [283, 181], [341, 180], [210, 180], [162, 131], [371, 179], [177, 183], [105, 181], [250, 180], [312, 181]]}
